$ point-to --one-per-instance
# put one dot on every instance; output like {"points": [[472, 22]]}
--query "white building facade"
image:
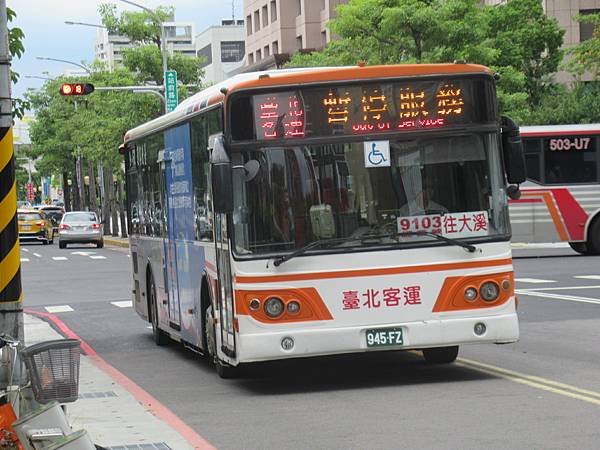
{"points": [[223, 50], [179, 38]]}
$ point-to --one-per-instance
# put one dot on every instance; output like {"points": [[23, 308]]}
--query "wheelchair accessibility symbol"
{"points": [[377, 153]]}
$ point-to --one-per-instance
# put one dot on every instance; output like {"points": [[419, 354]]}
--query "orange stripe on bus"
{"points": [[554, 214], [373, 272], [312, 306], [357, 73], [452, 293]]}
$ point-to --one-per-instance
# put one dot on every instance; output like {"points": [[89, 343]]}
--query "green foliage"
{"points": [[16, 49], [585, 56], [141, 27], [94, 124], [146, 60]]}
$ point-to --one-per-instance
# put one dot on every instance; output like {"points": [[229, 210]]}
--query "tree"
{"points": [[16, 49], [527, 41], [144, 31], [585, 56]]}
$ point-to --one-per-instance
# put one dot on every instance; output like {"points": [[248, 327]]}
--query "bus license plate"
{"points": [[384, 337]]}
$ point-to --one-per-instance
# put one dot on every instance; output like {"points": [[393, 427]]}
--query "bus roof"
{"points": [[559, 130], [293, 77]]}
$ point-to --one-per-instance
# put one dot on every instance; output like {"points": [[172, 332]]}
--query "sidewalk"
{"points": [[116, 413], [116, 241]]}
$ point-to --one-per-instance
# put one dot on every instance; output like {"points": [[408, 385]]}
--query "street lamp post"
{"points": [[45, 58]]}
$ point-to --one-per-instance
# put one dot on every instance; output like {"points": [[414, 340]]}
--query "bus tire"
{"points": [[580, 247], [159, 336], [594, 237], [440, 355], [223, 370]]}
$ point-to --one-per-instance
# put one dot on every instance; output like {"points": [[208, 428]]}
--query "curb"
{"points": [[116, 242]]}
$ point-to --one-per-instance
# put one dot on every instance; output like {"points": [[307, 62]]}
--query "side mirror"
{"points": [[221, 180], [512, 149]]}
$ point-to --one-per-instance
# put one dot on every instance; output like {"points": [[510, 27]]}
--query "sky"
{"points": [[47, 35]]}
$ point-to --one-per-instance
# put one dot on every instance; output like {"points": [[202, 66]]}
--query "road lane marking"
{"points": [[59, 258], [588, 277], [545, 384], [570, 298], [123, 304], [562, 288], [58, 309], [97, 257], [24, 259], [533, 280], [25, 250], [37, 254]]}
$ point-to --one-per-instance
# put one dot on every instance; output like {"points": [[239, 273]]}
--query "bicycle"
{"points": [[52, 370]]}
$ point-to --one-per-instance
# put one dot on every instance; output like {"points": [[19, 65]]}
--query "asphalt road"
{"points": [[542, 392]]}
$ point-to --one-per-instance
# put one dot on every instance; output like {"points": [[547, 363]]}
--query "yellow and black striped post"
{"points": [[11, 309]]}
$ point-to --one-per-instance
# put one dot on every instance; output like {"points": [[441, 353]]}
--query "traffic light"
{"points": [[76, 89]]}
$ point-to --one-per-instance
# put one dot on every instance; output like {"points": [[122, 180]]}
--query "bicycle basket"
{"points": [[53, 368]]}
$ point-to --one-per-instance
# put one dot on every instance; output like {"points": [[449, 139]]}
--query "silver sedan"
{"points": [[80, 227]]}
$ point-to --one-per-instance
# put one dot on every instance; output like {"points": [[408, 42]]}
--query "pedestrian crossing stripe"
{"points": [[533, 280], [59, 258], [588, 277], [58, 309]]}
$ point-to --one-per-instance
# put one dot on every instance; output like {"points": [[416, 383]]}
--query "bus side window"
{"points": [[200, 172], [533, 153]]}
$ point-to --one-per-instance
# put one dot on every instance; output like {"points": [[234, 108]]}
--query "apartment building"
{"points": [[564, 12], [179, 37], [223, 49], [276, 29]]}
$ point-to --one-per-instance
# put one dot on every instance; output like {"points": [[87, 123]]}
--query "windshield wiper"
{"points": [[278, 261], [364, 237], [469, 247]]}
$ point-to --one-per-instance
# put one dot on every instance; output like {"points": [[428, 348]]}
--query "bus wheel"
{"points": [[440, 355], [594, 237], [223, 370], [160, 338], [580, 247]]}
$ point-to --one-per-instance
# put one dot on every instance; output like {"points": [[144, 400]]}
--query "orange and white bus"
{"points": [[306, 212], [561, 199]]}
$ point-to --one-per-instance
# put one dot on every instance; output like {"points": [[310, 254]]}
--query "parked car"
{"points": [[80, 227], [54, 213], [34, 225]]}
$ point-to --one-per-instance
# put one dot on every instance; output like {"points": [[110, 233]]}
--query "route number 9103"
{"points": [[562, 144]]}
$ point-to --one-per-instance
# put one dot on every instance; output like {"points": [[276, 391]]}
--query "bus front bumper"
{"points": [[499, 329]]}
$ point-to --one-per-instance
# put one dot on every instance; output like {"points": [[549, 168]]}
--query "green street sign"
{"points": [[171, 96]]}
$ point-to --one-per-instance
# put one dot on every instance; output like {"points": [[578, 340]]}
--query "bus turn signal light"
{"points": [[76, 89]]}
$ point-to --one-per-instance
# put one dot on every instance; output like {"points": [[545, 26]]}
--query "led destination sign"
{"points": [[368, 108]]}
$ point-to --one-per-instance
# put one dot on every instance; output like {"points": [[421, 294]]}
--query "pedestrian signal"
{"points": [[76, 89]]}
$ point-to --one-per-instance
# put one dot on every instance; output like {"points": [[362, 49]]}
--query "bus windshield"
{"points": [[286, 197]]}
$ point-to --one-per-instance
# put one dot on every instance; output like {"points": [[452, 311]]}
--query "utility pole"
{"points": [[11, 307]]}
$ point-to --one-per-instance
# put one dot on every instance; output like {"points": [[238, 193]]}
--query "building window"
{"points": [[265, 16], [273, 11], [266, 51], [299, 42], [250, 59], [323, 4], [232, 51], [299, 7], [258, 55], [323, 38], [256, 21], [586, 30], [275, 47], [248, 25], [206, 54]]}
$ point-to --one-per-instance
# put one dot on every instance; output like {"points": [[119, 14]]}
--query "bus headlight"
{"points": [[293, 307], [273, 307], [470, 294], [489, 291]]}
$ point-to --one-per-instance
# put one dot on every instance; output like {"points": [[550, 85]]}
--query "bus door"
{"points": [[225, 290], [183, 260]]}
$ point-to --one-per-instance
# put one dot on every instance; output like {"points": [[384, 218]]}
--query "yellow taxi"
{"points": [[35, 225]]}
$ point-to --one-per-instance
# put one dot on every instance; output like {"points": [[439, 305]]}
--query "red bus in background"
{"points": [[560, 201]]}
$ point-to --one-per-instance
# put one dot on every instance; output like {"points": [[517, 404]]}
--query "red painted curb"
{"points": [[146, 400]]}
